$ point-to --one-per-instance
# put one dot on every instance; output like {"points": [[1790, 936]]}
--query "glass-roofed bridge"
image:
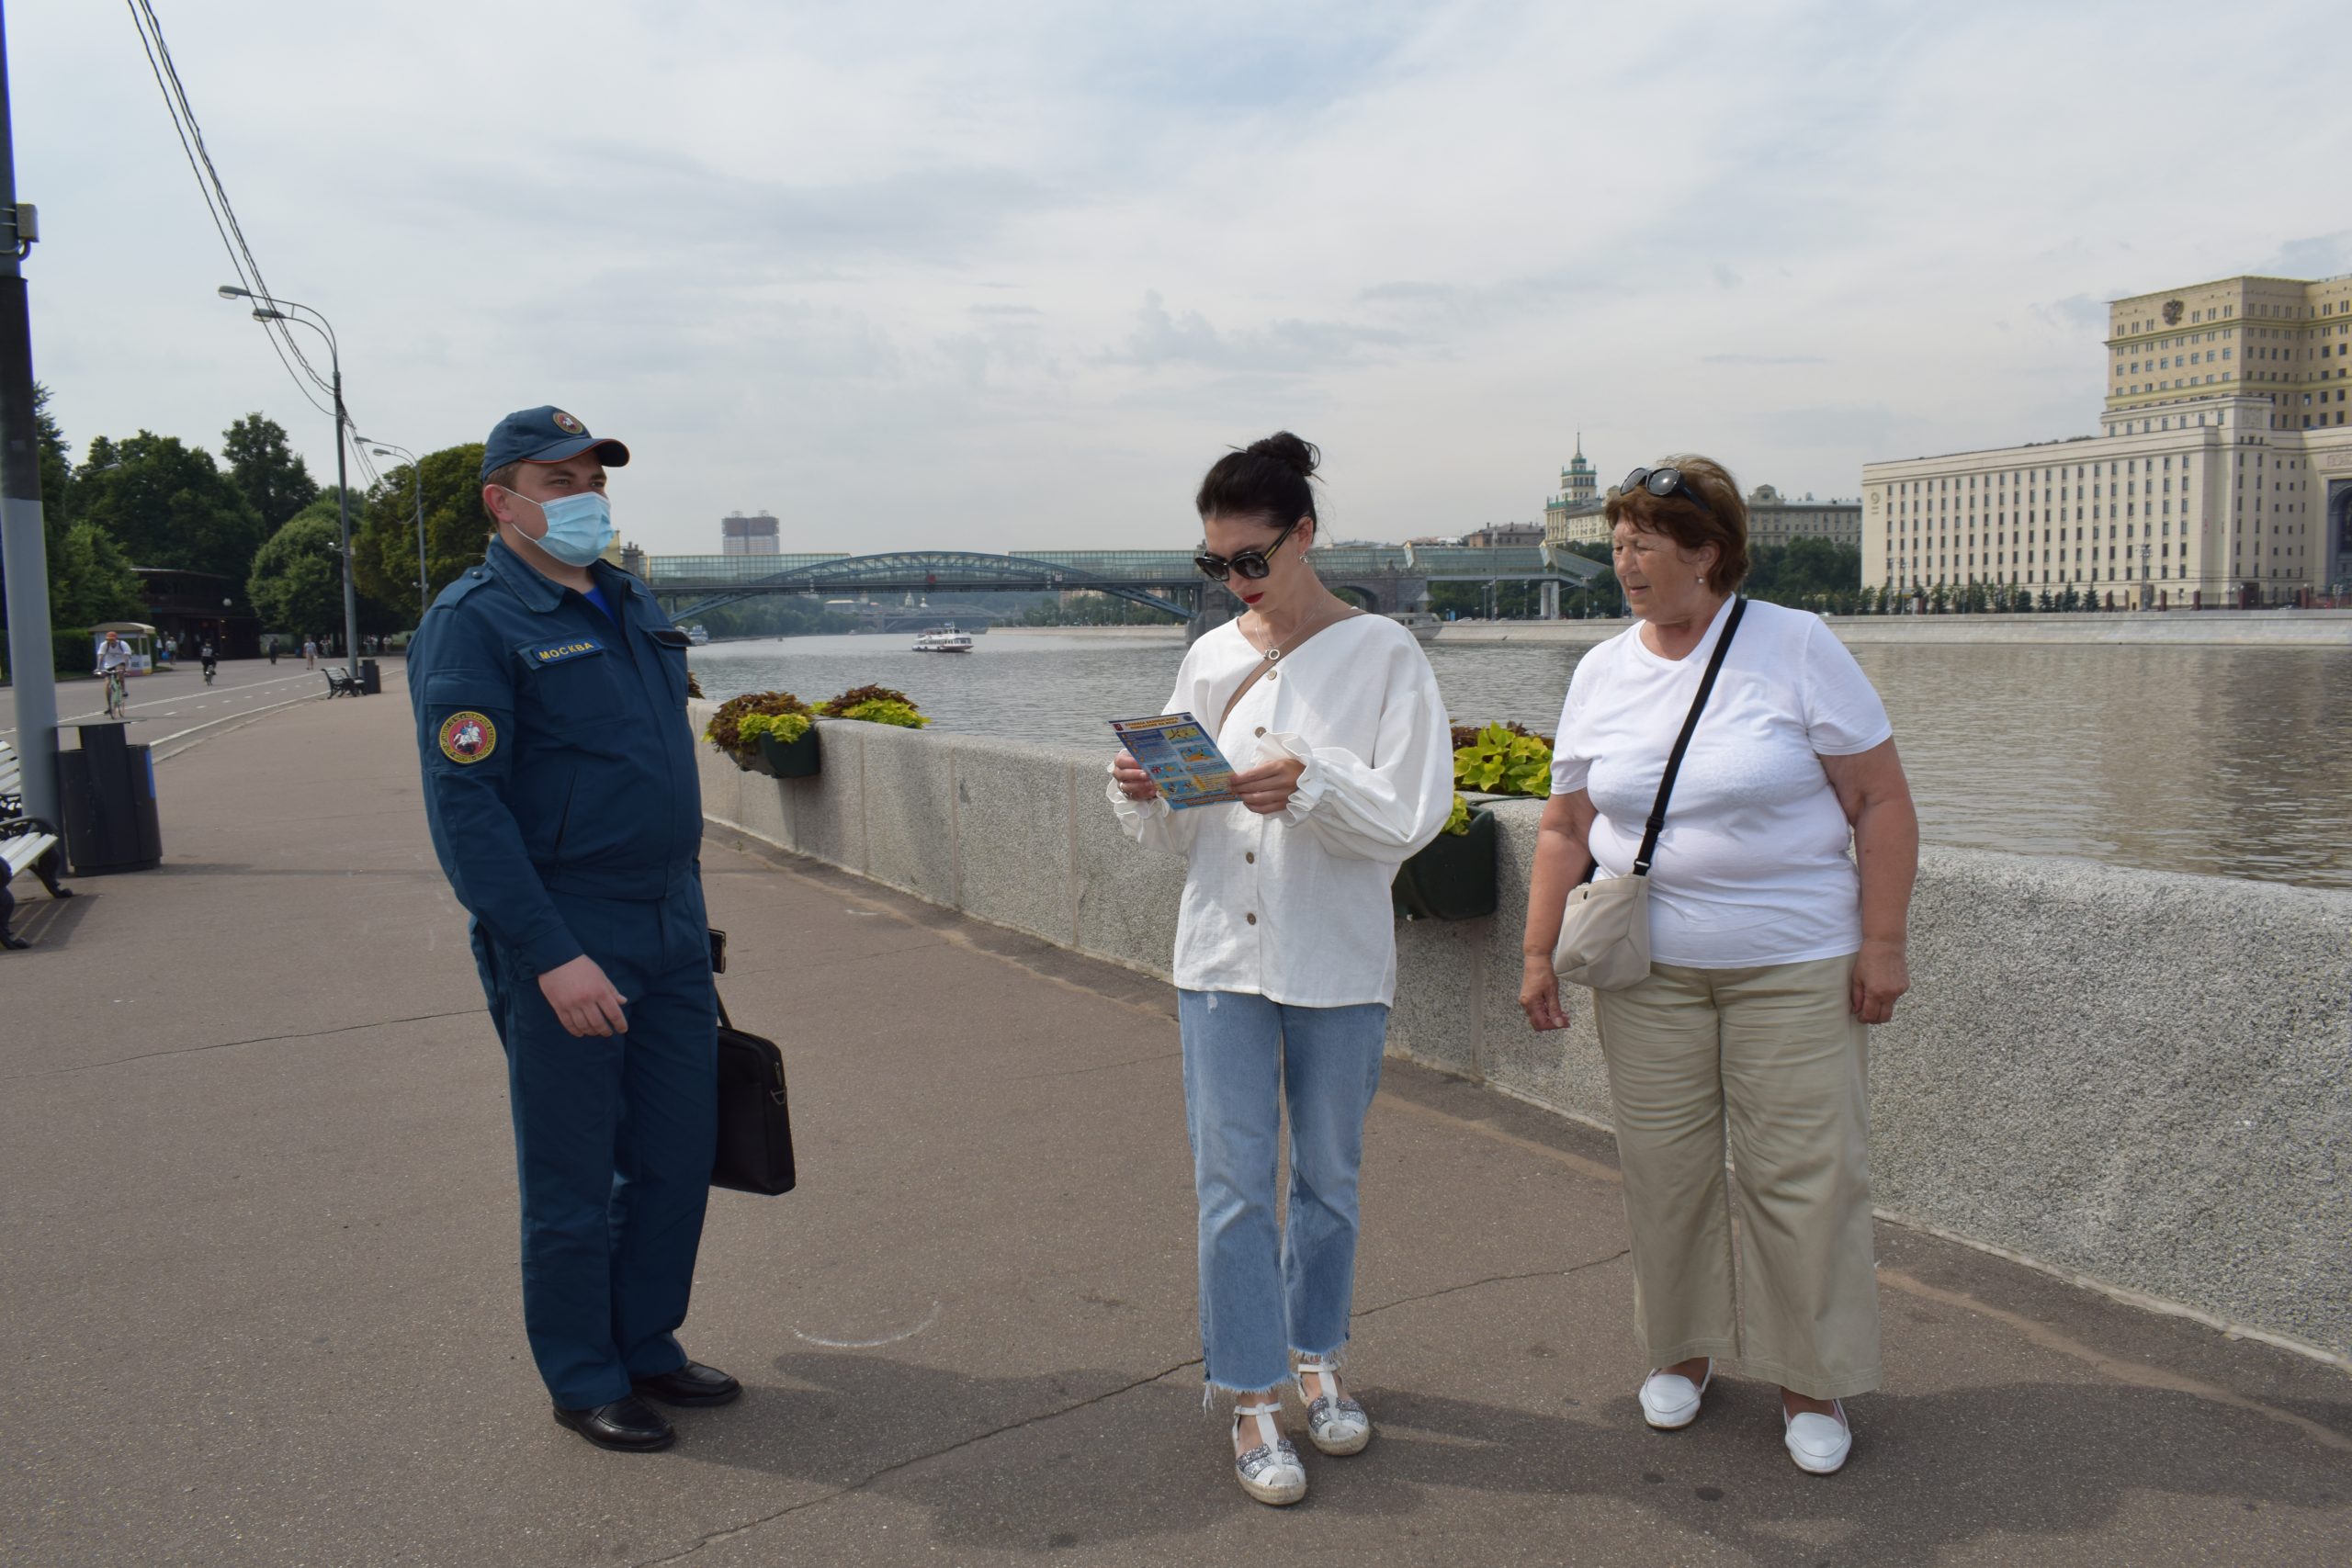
{"points": [[1387, 579]]}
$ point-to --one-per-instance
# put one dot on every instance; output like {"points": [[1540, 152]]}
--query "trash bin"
{"points": [[107, 793], [371, 681]]}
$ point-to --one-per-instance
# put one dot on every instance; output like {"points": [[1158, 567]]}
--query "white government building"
{"points": [[2223, 474]]}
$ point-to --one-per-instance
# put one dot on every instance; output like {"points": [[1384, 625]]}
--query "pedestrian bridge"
{"points": [[1381, 577]]}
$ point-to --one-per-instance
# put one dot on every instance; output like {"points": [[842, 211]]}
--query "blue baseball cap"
{"points": [[544, 434]]}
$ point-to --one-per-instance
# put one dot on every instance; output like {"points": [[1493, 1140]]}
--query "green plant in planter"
{"points": [[875, 705], [1457, 821], [1504, 760], [729, 728], [784, 729]]}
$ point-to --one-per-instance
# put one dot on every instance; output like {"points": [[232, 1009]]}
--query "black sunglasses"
{"points": [[1251, 564], [1662, 482]]}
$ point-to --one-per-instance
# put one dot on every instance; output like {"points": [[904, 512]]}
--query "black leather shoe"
{"points": [[692, 1383], [629, 1424]]}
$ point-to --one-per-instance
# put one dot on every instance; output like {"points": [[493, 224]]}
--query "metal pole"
{"points": [[424, 576], [24, 544], [343, 521]]}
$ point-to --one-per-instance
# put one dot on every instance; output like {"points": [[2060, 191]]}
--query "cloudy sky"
{"points": [[1011, 276]]}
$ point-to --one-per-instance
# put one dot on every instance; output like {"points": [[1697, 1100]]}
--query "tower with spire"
{"points": [[1573, 516], [1576, 479]]}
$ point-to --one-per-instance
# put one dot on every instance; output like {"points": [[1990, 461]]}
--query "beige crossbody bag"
{"points": [[1605, 935]]}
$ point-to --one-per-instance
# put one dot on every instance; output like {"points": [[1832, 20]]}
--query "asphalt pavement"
{"points": [[261, 1300], [170, 708]]}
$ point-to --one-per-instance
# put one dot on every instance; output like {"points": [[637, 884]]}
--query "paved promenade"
{"points": [[260, 1293]]}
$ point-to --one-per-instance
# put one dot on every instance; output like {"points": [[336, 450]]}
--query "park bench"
{"points": [[341, 683], [27, 843]]}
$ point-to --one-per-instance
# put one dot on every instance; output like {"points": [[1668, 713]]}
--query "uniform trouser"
{"points": [[1771, 1063], [613, 1142], [1268, 1289]]}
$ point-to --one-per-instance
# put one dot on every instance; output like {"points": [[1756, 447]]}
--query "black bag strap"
{"points": [[1682, 741]]}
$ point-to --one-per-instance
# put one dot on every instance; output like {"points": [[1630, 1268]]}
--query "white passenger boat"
{"points": [[1420, 622], [943, 639], [695, 634]]}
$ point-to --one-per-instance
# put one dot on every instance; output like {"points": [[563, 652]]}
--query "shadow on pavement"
{"points": [[1114, 1459]]}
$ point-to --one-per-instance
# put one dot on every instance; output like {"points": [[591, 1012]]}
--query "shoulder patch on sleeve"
{"points": [[467, 736]]}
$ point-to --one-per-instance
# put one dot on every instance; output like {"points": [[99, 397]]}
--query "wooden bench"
{"points": [[341, 683], [27, 843], [12, 782]]}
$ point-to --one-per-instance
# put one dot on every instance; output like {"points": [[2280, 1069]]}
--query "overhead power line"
{"points": [[280, 333]]}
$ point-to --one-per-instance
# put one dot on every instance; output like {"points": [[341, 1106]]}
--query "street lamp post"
{"points": [[270, 310], [416, 478]]}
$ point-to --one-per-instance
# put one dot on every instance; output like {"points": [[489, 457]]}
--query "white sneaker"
{"points": [[1819, 1443], [1270, 1471], [1335, 1424], [1670, 1401]]}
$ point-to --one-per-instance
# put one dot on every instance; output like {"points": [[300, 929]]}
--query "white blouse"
{"points": [[1295, 907]]}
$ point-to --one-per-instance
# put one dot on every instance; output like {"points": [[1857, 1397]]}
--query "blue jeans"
{"points": [[1266, 1289]]}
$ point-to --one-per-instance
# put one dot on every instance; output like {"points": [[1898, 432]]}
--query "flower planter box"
{"points": [[1454, 878], [790, 759]]}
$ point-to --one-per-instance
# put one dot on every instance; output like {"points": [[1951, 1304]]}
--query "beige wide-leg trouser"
{"points": [[1773, 1062]]}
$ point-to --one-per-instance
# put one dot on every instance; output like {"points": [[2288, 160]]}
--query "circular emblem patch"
{"points": [[467, 736], [568, 424]]}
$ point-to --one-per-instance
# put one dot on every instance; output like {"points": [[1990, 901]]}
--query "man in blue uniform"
{"points": [[559, 782]]}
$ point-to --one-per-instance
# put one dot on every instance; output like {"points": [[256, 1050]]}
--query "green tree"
{"points": [[91, 581], [383, 544], [167, 504], [296, 583], [267, 471]]}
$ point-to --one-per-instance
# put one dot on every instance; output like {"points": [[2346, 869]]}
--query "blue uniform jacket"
{"points": [[557, 751]]}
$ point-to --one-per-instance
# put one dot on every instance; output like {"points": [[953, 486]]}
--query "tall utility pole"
{"points": [[24, 544]]}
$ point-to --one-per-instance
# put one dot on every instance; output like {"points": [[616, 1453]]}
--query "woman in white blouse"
{"points": [[1285, 947], [1771, 952]]}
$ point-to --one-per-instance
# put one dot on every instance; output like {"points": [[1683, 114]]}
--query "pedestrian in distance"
{"points": [[549, 693], [1770, 953], [310, 653], [1285, 954], [209, 659], [269, 645]]}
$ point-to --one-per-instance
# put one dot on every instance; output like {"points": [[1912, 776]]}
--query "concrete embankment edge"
{"points": [[2209, 628], [2134, 1080]]}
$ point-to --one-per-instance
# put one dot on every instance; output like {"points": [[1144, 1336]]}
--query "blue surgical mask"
{"points": [[579, 527]]}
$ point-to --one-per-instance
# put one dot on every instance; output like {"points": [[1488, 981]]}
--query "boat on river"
{"points": [[943, 639], [1420, 622], [696, 634]]}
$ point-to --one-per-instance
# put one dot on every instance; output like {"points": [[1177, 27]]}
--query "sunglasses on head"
{"points": [[1251, 564], [1661, 483]]}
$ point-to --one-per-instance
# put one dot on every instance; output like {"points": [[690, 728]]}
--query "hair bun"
{"points": [[1289, 451]]}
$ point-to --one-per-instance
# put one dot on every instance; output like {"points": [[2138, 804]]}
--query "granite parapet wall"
{"points": [[2139, 1077]]}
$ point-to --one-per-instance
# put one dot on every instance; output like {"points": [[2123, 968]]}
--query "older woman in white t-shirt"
{"points": [[1285, 947], [1771, 951]]}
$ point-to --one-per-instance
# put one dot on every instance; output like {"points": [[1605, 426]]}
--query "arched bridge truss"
{"points": [[910, 571], [1389, 578]]}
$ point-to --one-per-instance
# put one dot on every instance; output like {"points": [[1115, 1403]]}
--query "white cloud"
{"points": [[1010, 277]]}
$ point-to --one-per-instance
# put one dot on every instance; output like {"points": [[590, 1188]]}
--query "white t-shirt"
{"points": [[1752, 867]]}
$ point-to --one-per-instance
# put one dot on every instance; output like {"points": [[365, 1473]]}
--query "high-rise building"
{"points": [[2223, 475], [752, 535]]}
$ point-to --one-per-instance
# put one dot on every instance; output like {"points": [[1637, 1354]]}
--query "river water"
{"points": [[2233, 761]]}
